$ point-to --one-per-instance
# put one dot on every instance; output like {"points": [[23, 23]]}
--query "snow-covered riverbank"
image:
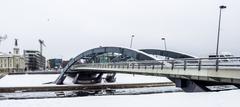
{"points": [[180, 99], [40, 79]]}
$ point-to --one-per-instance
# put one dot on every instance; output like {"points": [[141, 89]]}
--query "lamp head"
{"points": [[222, 7]]}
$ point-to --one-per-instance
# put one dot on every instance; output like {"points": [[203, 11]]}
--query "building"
{"points": [[34, 60], [12, 62], [55, 63], [64, 63]]}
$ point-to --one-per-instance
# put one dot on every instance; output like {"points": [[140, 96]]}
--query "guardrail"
{"points": [[188, 63]]}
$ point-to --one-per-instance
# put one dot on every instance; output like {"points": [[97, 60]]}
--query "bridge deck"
{"points": [[210, 74]]}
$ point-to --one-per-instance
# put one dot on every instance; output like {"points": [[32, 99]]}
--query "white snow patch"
{"points": [[205, 99], [129, 78], [26, 80], [40, 79]]}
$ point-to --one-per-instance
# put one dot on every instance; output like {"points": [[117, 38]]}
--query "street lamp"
{"points": [[131, 44], [131, 41], [165, 46], [219, 26]]}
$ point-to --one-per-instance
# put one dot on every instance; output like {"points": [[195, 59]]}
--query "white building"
{"points": [[12, 62]]}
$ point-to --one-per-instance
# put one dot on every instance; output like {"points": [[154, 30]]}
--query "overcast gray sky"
{"points": [[70, 27]]}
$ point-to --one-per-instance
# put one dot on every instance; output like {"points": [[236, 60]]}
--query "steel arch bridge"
{"points": [[113, 54]]}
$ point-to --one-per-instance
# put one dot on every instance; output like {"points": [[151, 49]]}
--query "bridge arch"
{"points": [[186, 82], [170, 54], [136, 54]]}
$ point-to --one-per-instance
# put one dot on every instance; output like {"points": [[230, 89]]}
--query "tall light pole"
{"points": [[219, 27], [131, 41], [165, 46]]}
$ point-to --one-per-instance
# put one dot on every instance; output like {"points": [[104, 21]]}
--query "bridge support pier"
{"points": [[238, 86], [99, 78], [190, 85], [83, 78], [75, 80], [60, 80], [111, 77]]}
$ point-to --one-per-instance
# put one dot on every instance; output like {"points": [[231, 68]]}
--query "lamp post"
{"points": [[131, 41], [219, 27], [131, 44], [165, 47]]}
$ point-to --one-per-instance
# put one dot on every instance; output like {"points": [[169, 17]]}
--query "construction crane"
{"points": [[3, 38], [41, 45]]}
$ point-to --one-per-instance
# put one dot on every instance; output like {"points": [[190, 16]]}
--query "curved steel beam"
{"points": [[136, 54], [169, 54]]}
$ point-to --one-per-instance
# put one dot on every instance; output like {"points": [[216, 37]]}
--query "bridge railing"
{"points": [[189, 63]]}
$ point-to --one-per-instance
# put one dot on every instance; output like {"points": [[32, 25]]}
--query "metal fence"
{"points": [[185, 64]]}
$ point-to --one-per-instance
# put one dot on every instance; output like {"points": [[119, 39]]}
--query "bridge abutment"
{"points": [[190, 85]]}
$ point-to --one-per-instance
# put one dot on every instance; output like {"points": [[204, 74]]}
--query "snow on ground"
{"points": [[26, 80], [128, 78], [180, 99], [40, 79]]}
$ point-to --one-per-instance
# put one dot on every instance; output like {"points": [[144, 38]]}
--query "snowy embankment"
{"points": [[26, 80], [208, 99], [39, 80], [179, 99]]}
